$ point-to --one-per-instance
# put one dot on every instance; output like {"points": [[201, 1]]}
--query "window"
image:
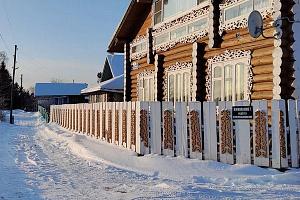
{"points": [[245, 8], [197, 26], [179, 85], [139, 47], [146, 88], [162, 38], [229, 81], [164, 9], [182, 31]]}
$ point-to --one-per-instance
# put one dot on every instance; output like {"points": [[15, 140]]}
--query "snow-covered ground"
{"points": [[45, 161]]}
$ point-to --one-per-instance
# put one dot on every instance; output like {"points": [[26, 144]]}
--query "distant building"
{"points": [[59, 93], [110, 85]]}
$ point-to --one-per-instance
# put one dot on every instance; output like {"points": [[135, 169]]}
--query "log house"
{"points": [[201, 50]]}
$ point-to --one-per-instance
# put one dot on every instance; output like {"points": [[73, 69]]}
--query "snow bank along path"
{"points": [[45, 161]]}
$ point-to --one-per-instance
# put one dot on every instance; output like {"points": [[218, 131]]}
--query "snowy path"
{"points": [[45, 161]]}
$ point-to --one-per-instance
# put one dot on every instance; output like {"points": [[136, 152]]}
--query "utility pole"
{"points": [[21, 91], [11, 120]]}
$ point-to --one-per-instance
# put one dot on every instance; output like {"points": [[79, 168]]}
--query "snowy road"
{"points": [[45, 161]]}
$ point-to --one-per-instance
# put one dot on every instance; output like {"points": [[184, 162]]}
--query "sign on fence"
{"points": [[242, 112]]}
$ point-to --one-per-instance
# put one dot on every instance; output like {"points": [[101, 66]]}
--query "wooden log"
{"points": [[263, 51], [263, 86], [258, 61], [263, 78], [178, 49], [203, 40], [141, 61], [262, 95], [262, 69], [178, 56]]}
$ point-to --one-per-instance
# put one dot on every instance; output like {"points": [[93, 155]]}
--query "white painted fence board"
{"points": [[128, 119], [168, 106], [101, 107], [292, 112], [210, 131], [155, 128], [278, 161], [228, 156], [242, 130], [120, 108], [181, 129], [261, 105], [195, 106], [113, 122]]}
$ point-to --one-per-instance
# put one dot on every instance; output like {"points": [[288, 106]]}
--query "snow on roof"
{"points": [[116, 63], [58, 89], [115, 84]]}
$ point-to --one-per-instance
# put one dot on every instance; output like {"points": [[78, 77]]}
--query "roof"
{"points": [[58, 89], [130, 24], [116, 63], [115, 84]]}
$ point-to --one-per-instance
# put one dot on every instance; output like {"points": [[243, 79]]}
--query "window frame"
{"points": [[241, 16], [175, 73], [233, 63], [147, 75]]}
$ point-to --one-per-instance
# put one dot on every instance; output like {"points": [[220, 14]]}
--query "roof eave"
{"points": [[117, 42]]}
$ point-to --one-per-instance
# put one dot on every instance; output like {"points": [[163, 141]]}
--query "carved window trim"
{"points": [[241, 21], [138, 41], [182, 21], [243, 56], [179, 68], [147, 74]]}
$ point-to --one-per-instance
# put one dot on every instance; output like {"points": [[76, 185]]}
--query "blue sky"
{"points": [[61, 39]]}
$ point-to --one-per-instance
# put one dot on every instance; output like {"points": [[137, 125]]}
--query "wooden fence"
{"points": [[199, 130]]}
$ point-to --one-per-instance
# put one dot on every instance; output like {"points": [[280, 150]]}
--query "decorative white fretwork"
{"points": [[186, 39], [141, 54], [241, 21], [227, 56], [179, 66], [184, 20]]}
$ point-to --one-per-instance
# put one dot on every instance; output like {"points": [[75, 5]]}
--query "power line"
{"points": [[30, 57], [6, 46], [9, 22]]}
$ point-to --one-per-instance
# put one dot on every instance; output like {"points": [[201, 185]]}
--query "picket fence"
{"points": [[199, 130]]}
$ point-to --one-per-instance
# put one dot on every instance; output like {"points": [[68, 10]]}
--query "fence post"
{"points": [[260, 133], [155, 128], [128, 125], [210, 131], [168, 128], [195, 129], [279, 136], [242, 131], [181, 129], [143, 127], [293, 118], [226, 132]]}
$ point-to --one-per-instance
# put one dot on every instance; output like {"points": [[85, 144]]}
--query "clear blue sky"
{"points": [[61, 39]]}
